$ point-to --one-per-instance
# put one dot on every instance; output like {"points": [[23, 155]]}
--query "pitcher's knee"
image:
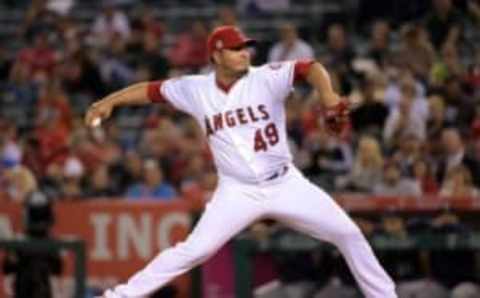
{"points": [[194, 253], [204, 252], [347, 234]]}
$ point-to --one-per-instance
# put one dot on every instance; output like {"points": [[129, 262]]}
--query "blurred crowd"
{"points": [[415, 127], [404, 246], [411, 67]]}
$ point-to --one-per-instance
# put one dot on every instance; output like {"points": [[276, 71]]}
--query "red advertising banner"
{"points": [[121, 236]]}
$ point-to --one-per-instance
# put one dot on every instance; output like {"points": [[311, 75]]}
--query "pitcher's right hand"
{"points": [[100, 110]]}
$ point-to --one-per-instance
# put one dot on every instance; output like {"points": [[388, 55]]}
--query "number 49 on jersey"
{"points": [[268, 136]]}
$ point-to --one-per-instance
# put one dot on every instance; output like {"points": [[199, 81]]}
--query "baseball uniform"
{"points": [[245, 125]]}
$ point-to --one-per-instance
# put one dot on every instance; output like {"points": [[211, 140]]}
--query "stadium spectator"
{"points": [[415, 52], [458, 183], [37, 62], [158, 142], [199, 192], [460, 109], [127, 171], [18, 183], [447, 66], [54, 104], [402, 85], [455, 155], [100, 185], [38, 18], [10, 150], [52, 140], [110, 24], [226, 16], [146, 23], [370, 116], [69, 31], [449, 267], [194, 170], [95, 148], [73, 178], [190, 48], [444, 24], [474, 10], [423, 174], [81, 75], [153, 185], [330, 158], [409, 149], [51, 181], [437, 121], [367, 167], [148, 59], [113, 65], [404, 120], [393, 184], [144, 46], [339, 53], [379, 48], [20, 96], [290, 46]]}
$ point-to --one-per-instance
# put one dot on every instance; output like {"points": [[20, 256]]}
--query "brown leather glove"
{"points": [[337, 118]]}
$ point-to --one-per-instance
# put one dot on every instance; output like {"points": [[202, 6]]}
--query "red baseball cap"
{"points": [[227, 37]]}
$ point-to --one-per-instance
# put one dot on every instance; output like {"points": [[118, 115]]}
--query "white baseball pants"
{"points": [[290, 199]]}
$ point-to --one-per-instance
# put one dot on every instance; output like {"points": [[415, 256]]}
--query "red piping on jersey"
{"points": [[225, 87], [301, 69], [299, 74], [154, 93]]}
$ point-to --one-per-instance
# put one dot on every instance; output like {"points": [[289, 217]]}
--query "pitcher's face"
{"points": [[236, 60]]}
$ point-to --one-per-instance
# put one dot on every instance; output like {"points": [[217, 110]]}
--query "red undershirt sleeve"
{"points": [[300, 71], [154, 93]]}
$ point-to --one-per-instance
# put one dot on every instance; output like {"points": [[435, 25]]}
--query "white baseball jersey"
{"points": [[245, 125]]}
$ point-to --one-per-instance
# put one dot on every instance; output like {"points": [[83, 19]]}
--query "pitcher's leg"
{"points": [[223, 218], [312, 211]]}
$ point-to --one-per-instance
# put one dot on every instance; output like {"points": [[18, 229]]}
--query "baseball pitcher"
{"points": [[241, 110]]}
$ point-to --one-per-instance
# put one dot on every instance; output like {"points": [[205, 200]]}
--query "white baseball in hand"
{"points": [[96, 122]]}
